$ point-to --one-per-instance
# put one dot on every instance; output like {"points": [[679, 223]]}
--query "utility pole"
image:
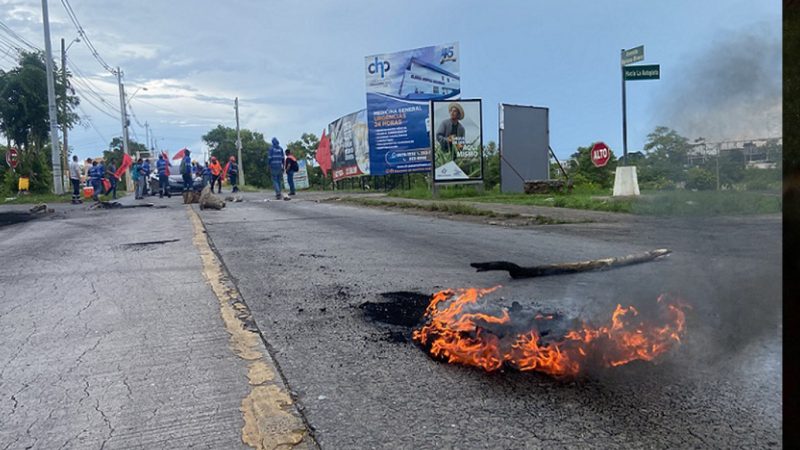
{"points": [[65, 127], [624, 117], [239, 141], [124, 119], [58, 186], [146, 134]]}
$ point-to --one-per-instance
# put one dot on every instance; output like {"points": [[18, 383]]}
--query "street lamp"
{"points": [[136, 92]]}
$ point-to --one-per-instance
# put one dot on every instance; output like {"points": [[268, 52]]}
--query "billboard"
{"points": [[350, 146], [300, 177], [399, 87], [457, 140], [524, 146]]}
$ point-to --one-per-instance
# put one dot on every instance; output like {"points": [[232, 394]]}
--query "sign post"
{"points": [[600, 154], [12, 158]]}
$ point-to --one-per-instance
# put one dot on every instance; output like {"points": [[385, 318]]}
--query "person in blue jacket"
{"points": [[163, 178], [276, 166], [233, 174], [135, 175], [96, 180], [186, 170], [147, 171]]}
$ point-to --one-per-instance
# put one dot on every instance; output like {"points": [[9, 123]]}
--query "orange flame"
{"points": [[457, 334]]}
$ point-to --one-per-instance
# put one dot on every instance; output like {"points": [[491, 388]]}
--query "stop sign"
{"points": [[600, 154], [12, 158]]}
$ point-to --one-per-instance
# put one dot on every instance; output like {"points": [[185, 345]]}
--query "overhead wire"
{"points": [[85, 37], [16, 36]]}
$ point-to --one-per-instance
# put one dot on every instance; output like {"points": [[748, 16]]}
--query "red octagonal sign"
{"points": [[600, 154], [12, 158]]}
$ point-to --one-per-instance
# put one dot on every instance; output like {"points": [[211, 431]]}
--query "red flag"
{"points": [[166, 158], [324, 154], [180, 154], [126, 162], [225, 171]]}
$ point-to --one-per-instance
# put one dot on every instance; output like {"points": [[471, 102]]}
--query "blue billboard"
{"points": [[399, 89]]}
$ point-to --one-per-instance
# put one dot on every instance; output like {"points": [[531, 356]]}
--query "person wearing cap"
{"points": [[233, 174], [216, 174], [450, 133]]}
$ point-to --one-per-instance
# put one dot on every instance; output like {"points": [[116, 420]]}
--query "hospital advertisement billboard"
{"points": [[399, 89], [349, 146]]}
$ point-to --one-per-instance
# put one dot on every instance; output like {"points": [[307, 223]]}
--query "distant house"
{"points": [[422, 80]]}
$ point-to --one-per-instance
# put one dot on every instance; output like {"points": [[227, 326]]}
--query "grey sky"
{"points": [[298, 65]]}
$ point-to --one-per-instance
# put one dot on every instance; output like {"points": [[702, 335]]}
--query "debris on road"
{"points": [[234, 198], [118, 205], [517, 271], [209, 200], [41, 208]]}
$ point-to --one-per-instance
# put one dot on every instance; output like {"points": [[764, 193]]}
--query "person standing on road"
{"points": [[112, 179], [216, 174], [186, 170], [147, 171], [141, 183], [207, 176], [95, 176], [290, 166], [163, 178], [233, 174], [75, 180], [135, 175], [276, 166]]}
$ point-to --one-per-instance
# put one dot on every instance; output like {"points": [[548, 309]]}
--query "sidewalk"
{"points": [[113, 337]]}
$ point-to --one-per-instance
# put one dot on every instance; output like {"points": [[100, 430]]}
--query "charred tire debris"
{"points": [[403, 314]]}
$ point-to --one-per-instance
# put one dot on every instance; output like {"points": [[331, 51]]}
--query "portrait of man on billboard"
{"points": [[457, 140], [450, 133]]}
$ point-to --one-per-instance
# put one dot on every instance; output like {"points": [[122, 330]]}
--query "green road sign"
{"points": [[644, 72], [633, 55]]}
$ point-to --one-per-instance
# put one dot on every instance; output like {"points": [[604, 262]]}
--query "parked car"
{"points": [[176, 183]]}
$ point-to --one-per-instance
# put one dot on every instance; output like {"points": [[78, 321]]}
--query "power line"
{"points": [[89, 119], [19, 38], [84, 37]]}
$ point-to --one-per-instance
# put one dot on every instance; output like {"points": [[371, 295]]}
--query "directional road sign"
{"points": [[633, 55], [643, 72]]}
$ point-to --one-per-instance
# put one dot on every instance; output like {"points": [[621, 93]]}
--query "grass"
{"points": [[707, 203], [653, 203], [578, 199]]}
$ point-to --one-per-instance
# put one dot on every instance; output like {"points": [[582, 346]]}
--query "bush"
{"points": [[700, 179]]}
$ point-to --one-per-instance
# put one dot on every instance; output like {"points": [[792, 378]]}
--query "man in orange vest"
{"points": [[216, 174]]}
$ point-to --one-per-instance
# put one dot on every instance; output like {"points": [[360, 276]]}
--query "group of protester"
{"points": [[103, 178]]}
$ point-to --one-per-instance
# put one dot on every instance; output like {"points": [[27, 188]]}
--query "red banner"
{"points": [[324, 154], [126, 162]]}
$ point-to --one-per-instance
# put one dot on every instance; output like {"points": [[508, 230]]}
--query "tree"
{"points": [[115, 150], [24, 117], [222, 142], [491, 165], [666, 157], [306, 148], [583, 170]]}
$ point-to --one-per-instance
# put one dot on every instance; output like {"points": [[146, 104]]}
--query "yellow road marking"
{"points": [[270, 420]]}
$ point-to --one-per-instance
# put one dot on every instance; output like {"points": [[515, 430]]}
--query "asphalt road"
{"points": [[112, 337], [304, 267]]}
